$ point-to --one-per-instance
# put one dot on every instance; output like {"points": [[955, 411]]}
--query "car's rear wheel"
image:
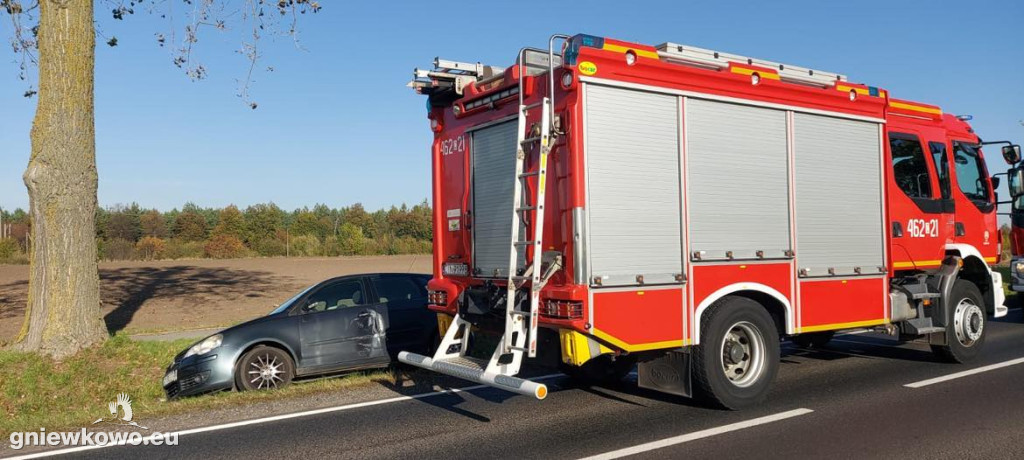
{"points": [[264, 368]]}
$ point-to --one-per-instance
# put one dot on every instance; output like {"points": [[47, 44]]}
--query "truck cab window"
{"points": [[971, 174], [910, 168], [941, 164]]}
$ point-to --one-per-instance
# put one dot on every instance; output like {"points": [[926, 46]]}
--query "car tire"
{"points": [[813, 339], [965, 324], [738, 355], [264, 368], [600, 370]]}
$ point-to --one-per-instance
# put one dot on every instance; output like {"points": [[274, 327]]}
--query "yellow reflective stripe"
{"points": [[623, 49], [638, 346], [920, 263], [916, 108], [855, 324], [991, 260], [746, 71], [543, 168]]}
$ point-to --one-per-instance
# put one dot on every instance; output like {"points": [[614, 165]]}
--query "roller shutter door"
{"points": [[738, 176], [494, 156], [632, 158], [838, 196]]}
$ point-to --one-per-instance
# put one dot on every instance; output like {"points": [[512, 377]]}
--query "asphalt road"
{"points": [[849, 400]]}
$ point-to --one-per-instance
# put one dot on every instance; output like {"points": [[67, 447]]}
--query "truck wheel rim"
{"points": [[743, 351], [265, 372], [968, 322]]}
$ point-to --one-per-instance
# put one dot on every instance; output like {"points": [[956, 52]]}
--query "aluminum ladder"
{"points": [[520, 335]]}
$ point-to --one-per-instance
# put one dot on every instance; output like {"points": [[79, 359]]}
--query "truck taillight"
{"points": [[437, 298], [562, 309]]}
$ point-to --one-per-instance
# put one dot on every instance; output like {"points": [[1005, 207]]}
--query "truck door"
{"points": [[916, 208], [975, 201]]}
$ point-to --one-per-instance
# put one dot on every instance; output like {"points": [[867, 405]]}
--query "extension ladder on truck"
{"points": [[520, 335]]}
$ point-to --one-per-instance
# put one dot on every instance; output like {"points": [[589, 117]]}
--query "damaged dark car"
{"points": [[341, 324]]}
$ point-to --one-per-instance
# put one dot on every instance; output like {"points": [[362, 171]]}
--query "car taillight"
{"points": [[562, 309], [438, 298]]}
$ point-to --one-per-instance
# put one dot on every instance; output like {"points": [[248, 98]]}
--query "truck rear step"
{"points": [[450, 359]]}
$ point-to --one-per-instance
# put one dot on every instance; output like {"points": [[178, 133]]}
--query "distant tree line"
{"points": [[130, 232]]}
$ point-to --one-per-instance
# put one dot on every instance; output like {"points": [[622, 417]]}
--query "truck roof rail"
{"points": [[701, 57]]}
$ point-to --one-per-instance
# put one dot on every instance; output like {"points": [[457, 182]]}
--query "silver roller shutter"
{"points": [[632, 158], [494, 162], [838, 196], [738, 173]]}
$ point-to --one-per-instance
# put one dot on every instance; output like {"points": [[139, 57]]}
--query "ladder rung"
{"points": [[526, 208], [520, 313], [529, 140], [529, 174], [518, 348], [524, 243], [530, 106]]}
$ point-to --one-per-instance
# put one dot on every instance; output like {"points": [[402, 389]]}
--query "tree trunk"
{"points": [[63, 314]]}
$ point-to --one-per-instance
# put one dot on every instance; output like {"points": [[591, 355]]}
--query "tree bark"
{"points": [[63, 314]]}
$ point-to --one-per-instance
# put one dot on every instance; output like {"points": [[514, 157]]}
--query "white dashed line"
{"points": [[647, 447], [990, 367]]}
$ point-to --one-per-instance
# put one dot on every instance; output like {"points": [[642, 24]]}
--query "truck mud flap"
{"points": [[669, 373]]}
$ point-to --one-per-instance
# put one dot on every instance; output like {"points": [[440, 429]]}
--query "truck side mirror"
{"points": [[995, 182], [1011, 153], [1015, 178]]}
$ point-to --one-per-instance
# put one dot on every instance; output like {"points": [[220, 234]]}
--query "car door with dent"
{"points": [[342, 327]]}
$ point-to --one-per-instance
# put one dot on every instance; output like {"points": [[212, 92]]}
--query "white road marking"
{"points": [[647, 447], [990, 367], [275, 418]]}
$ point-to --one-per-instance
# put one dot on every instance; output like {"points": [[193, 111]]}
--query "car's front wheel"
{"points": [[264, 368]]}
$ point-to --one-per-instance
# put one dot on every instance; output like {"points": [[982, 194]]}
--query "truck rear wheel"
{"points": [[738, 356], [965, 324]]}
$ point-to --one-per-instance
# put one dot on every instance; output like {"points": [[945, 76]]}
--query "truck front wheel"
{"points": [[965, 324], [738, 356]]}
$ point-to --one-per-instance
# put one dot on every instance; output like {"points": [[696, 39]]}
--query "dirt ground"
{"points": [[188, 294]]}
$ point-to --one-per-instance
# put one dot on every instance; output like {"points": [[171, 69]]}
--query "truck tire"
{"points": [[738, 355], [965, 324], [813, 339], [600, 370]]}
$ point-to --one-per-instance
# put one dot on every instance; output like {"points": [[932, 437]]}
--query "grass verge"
{"points": [[36, 392]]}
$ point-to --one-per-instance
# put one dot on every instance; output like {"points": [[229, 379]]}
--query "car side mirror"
{"points": [[1011, 153], [1015, 179]]}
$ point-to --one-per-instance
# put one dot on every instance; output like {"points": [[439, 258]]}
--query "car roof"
{"points": [[337, 278]]}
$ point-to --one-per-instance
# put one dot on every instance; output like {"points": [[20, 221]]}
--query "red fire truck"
{"points": [[607, 204]]}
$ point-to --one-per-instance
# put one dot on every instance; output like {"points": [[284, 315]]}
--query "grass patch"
{"points": [[36, 392]]}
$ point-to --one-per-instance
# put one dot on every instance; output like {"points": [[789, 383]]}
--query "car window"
{"points": [[910, 168], [970, 172], [398, 288], [343, 294]]}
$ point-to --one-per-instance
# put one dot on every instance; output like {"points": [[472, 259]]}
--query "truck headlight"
{"points": [[205, 346], [1018, 267]]}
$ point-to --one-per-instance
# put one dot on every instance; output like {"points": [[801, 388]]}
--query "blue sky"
{"points": [[336, 125]]}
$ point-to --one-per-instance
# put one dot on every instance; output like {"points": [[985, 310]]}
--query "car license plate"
{"points": [[171, 377]]}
